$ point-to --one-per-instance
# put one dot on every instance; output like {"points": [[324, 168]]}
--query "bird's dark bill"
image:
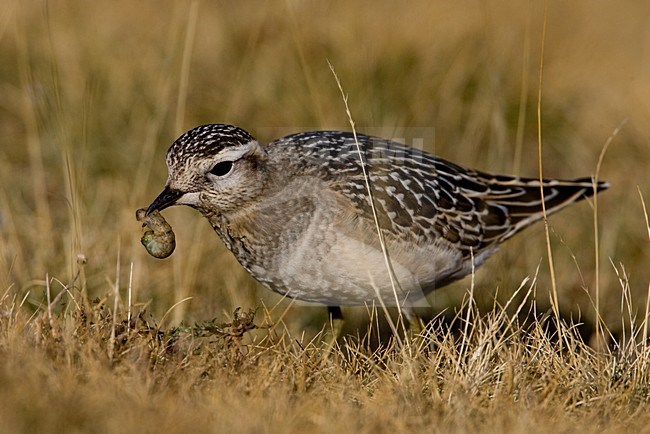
{"points": [[167, 198]]}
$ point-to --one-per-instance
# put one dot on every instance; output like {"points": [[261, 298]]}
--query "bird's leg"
{"points": [[335, 317], [416, 325]]}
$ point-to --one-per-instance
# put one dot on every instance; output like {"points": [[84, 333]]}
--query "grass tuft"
{"points": [[500, 370]]}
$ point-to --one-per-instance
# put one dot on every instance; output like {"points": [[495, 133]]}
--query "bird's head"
{"points": [[213, 168]]}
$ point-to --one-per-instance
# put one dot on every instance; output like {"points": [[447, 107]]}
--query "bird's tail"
{"points": [[515, 203]]}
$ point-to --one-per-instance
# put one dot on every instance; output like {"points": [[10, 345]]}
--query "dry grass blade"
{"points": [[645, 211], [555, 302], [371, 199]]}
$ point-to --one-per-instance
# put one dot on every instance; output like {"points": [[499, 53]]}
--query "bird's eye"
{"points": [[222, 168]]}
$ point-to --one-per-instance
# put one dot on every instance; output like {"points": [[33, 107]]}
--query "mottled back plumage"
{"points": [[421, 197]]}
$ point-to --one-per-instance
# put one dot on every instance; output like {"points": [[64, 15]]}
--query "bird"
{"points": [[344, 219]]}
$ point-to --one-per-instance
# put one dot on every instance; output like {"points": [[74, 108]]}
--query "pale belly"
{"points": [[334, 269]]}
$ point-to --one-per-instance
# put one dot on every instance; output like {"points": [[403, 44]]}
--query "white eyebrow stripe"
{"points": [[235, 153]]}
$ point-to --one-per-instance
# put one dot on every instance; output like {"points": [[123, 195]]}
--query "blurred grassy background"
{"points": [[91, 97]]}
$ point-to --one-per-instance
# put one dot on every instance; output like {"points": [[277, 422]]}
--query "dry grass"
{"points": [[90, 99], [69, 374]]}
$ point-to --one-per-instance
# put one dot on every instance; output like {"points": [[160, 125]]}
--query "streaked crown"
{"points": [[206, 141]]}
